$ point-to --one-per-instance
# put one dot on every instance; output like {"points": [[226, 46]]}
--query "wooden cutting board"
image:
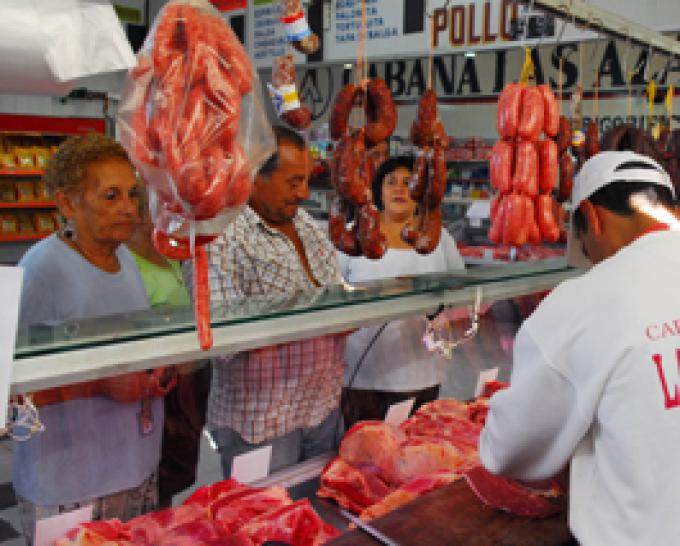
{"points": [[453, 515]]}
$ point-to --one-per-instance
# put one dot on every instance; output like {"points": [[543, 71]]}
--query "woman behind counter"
{"points": [[387, 364], [185, 405], [101, 443]]}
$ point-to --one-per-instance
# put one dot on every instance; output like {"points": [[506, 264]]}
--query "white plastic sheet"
{"points": [[45, 46]]}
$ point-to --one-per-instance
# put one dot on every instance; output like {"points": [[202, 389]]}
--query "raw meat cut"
{"points": [[298, 524], [232, 513], [408, 492], [374, 443], [425, 456], [508, 495], [354, 488]]}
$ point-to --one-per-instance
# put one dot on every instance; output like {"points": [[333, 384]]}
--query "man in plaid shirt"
{"points": [[286, 395]]}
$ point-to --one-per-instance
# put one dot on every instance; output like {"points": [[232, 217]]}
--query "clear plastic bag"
{"points": [[193, 123], [192, 120]]}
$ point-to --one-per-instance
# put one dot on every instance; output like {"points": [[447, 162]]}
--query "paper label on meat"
{"points": [[399, 412], [284, 98], [484, 377], [48, 530], [252, 466]]}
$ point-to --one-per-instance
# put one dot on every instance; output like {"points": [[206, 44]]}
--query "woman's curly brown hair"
{"points": [[66, 168]]}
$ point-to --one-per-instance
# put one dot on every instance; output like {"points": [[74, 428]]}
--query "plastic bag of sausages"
{"points": [[193, 122]]}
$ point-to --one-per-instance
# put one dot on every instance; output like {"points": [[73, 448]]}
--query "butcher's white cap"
{"points": [[599, 171]]}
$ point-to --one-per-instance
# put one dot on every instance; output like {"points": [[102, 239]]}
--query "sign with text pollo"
{"points": [[394, 27]]}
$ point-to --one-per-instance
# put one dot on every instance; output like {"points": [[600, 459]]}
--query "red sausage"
{"points": [[532, 114], [551, 111], [525, 180], [202, 298], [566, 177], [515, 232], [546, 218], [548, 165], [500, 166], [508, 112]]}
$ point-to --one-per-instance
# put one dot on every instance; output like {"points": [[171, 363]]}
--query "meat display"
{"points": [[428, 182], [352, 168], [223, 514], [523, 168], [180, 119], [381, 467]]}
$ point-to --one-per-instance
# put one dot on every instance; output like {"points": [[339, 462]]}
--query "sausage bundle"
{"points": [[428, 182], [352, 169], [523, 169], [180, 120]]}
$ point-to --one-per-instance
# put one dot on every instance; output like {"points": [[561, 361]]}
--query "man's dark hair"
{"points": [[388, 166], [615, 197], [282, 134]]}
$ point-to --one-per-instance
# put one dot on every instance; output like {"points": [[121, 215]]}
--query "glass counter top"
{"points": [[67, 336]]}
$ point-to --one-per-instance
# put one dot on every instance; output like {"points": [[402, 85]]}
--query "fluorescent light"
{"points": [[470, 53], [349, 66]]}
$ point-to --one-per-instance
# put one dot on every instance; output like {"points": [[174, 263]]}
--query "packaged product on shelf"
{"points": [[24, 157], [44, 221], [8, 191], [8, 224], [7, 160], [41, 193], [42, 156], [25, 223], [25, 191]]}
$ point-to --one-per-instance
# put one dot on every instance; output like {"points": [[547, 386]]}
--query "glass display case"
{"points": [[52, 355]]}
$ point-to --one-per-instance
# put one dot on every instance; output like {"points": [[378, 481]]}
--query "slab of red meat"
{"points": [[444, 406], [206, 494], [97, 533], [297, 524], [462, 433], [375, 443], [508, 495], [231, 513], [151, 527], [352, 488], [408, 492], [420, 457]]}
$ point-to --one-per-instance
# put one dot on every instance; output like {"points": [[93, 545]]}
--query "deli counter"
{"points": [[52, 355]]}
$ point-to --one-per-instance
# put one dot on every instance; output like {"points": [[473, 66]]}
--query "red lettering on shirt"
{"points": [[652, 332], [669, 402]]}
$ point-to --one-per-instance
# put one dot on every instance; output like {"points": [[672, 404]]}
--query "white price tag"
{"points": [[399, 412], [48, 530], [10, 290], [484, 377], [252, 466], [479, 210]]}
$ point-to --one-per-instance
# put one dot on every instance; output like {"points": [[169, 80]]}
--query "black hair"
{"points": [[615, 197], [282, 134], [388, 166]]}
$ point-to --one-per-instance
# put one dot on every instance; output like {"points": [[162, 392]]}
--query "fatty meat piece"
{"points": [[354, 488], [374, 443]]}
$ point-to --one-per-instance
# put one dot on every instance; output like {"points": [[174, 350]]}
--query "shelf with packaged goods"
{"points": [[54, 355], [21, 173], [23, 237], [11, 205]]}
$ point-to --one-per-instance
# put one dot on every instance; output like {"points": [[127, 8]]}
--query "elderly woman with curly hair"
{"points": [[102, 439]]}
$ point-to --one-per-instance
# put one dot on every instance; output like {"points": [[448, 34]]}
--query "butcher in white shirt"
{"points": [[597, 366]]}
